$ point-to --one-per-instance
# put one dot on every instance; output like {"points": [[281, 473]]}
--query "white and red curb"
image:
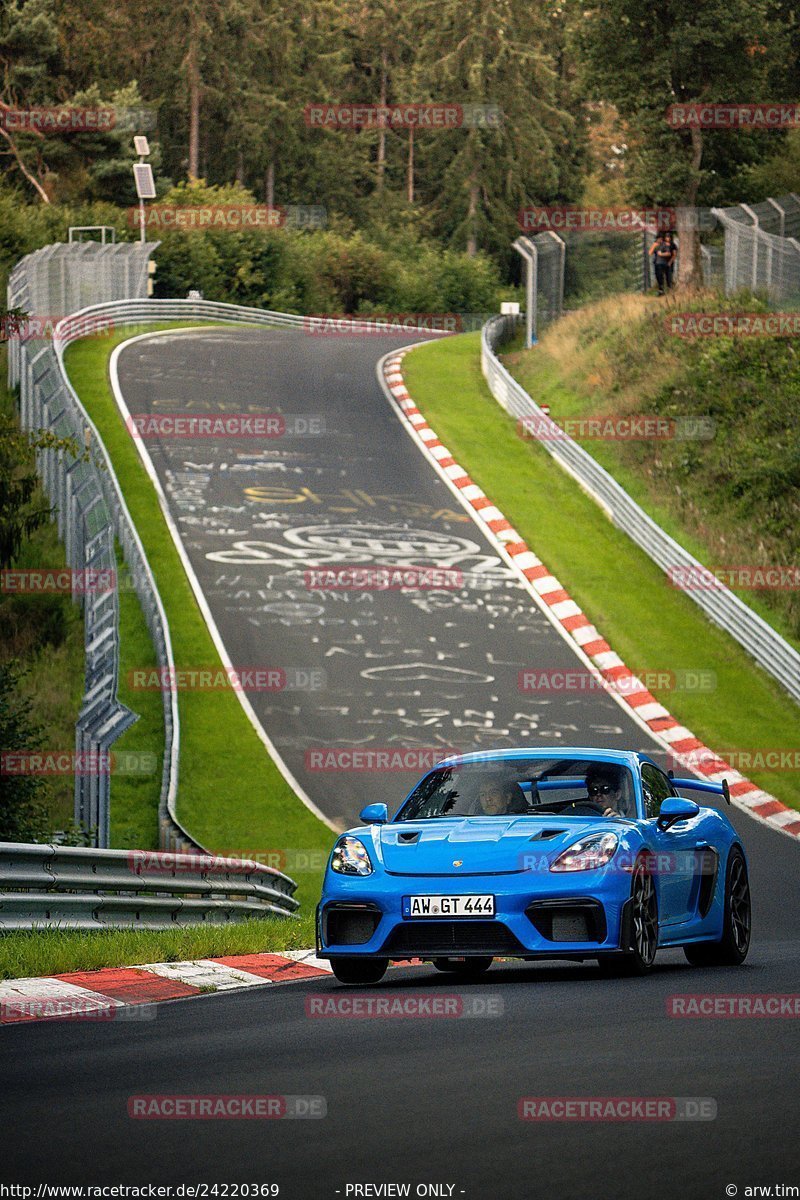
{"points": [[107, 994], [572, 622]]}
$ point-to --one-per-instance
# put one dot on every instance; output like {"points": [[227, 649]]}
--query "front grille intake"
{"points": [[452, 937]]}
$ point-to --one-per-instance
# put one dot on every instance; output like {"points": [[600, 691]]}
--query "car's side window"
{"points": [[655, 789]]}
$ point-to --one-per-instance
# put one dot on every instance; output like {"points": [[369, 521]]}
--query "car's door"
{"points": [[677, 850]]}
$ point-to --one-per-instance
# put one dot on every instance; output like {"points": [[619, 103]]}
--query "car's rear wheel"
{"points": [[464, 966], [731, 950], [638, 959], [359, 970]]}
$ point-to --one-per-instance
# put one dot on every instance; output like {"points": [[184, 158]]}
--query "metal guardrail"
{"points": [[138, 312], [724, 608], [79, 888]]}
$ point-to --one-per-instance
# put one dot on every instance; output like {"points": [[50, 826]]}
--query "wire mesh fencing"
{"points": [[762, 249], [744, 247], [88, 505], [544, 256]]}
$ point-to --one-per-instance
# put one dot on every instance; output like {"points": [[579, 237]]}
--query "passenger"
{"points": [[501, 797]]}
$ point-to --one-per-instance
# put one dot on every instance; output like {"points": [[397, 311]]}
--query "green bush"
{"points": [[383, 269]]}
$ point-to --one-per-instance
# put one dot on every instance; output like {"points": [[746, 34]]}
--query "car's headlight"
{"points": [[350, 857], [588, 854]]}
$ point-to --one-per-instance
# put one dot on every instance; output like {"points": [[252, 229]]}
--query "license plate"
{"points": [[448, 906]]}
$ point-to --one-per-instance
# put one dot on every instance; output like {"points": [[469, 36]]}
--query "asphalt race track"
{"points": [[432, 670], [414, 1100], [431, 1100]]}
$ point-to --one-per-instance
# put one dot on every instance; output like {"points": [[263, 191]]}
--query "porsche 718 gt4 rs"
{"points": [[552, 853]]}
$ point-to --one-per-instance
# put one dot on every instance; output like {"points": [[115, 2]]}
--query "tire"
{"points": [[639, 959], [731, 950], [470, 966], [359, 970]]}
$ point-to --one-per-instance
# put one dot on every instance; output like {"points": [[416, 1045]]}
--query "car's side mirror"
{"points": [[375, 814], [674, 809]]}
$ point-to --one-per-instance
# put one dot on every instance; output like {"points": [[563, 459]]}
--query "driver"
{"points": [[604, 785]]}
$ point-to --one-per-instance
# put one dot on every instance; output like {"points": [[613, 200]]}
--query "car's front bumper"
{"points": [[576, 915]]}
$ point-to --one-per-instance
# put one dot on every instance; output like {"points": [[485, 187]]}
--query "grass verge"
{"points": [[650, 624], [732, 498], [231, 796], [54, 951]]}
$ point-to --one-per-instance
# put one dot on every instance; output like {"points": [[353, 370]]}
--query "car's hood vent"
{"points": [[470, 845]]}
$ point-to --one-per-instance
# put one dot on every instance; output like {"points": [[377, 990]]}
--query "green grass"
{"points": [[732, 499], [231, 796], [649, 623], [55, 951]]}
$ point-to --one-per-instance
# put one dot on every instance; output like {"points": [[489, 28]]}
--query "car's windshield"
{"points": [[517, 786]]}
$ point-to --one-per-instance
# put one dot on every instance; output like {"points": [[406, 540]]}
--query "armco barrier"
{"points": [[78, 888], [724, 608]]}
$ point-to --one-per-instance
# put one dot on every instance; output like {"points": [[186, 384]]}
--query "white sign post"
{"points": [[143, 177]]}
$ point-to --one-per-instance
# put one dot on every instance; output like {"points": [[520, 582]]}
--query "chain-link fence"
{"points": [[779, 215], [88, 504], [544, 256], [762, 250], [603, 262], [754, 247]]}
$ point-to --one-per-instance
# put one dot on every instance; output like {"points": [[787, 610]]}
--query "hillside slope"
{"points": [[732, 498]]}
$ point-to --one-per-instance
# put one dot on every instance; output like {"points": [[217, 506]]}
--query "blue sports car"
{"points": [[553, 853]]}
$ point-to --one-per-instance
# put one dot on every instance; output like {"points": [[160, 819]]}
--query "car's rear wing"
{"points": [[703, 785]]}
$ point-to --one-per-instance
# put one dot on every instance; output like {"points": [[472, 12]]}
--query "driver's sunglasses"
{"points": [[600, 789]]}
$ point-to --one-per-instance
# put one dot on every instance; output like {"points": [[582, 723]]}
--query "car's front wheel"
{"points": [[640, 955], [731, 950], [465, 966], [359, 970]]}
